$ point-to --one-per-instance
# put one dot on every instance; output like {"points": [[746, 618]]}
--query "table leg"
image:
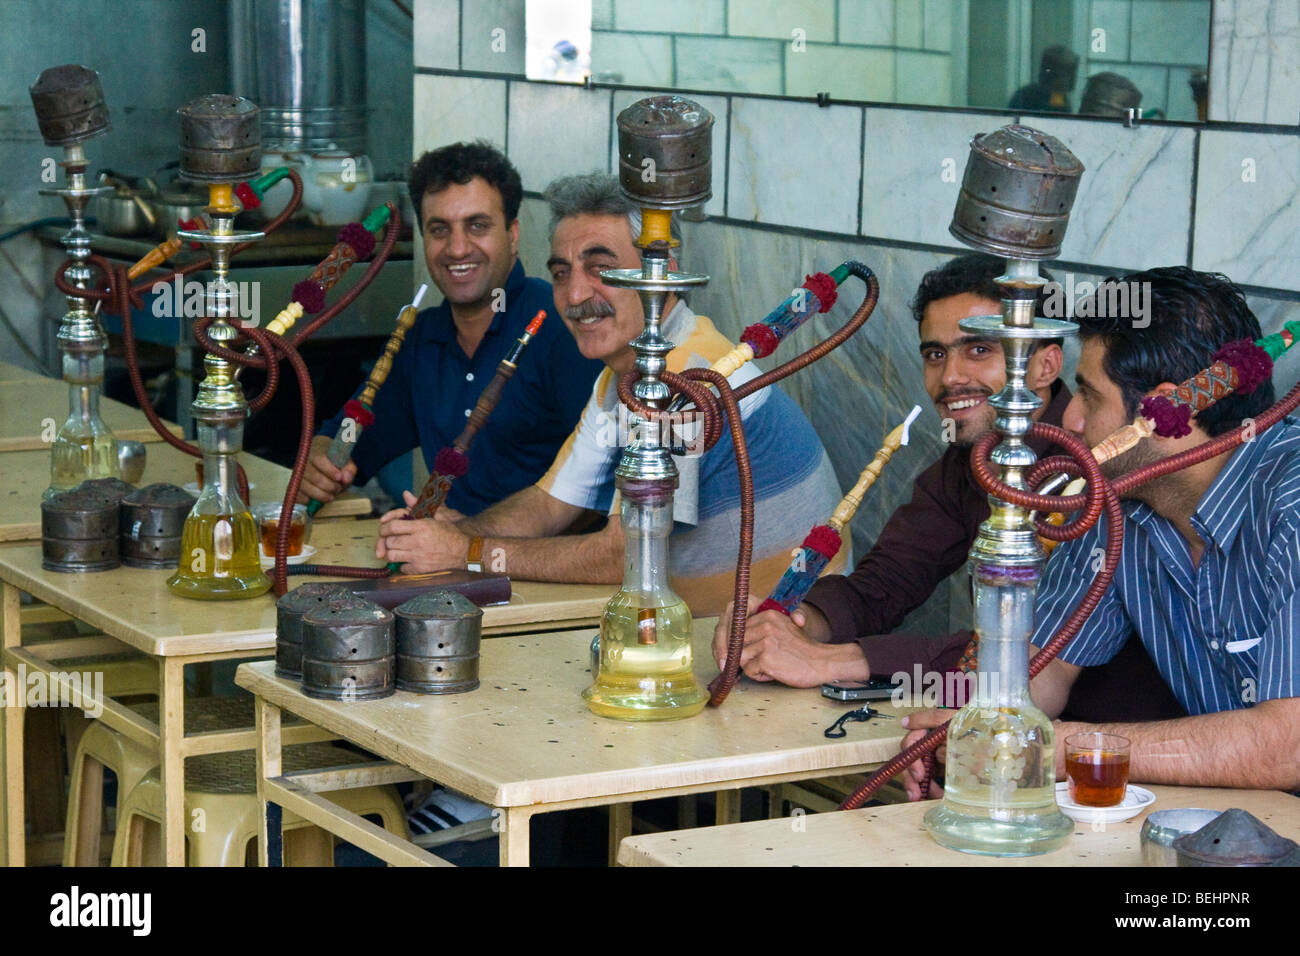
{"points": [[268, 765], [12, 816], [620, 826], [513, 838], [726, 807], [171, 707]]}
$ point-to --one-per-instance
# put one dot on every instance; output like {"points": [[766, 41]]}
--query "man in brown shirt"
{"points": [[841, 631]]}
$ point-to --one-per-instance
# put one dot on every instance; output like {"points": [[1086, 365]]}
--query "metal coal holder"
{"points": [[348, 651], [289, 612], [438, 639], [79, 528], [152, 520]]}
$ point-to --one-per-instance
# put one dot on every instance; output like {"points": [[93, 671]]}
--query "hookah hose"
{"points": [[693, 383], [1099, 492]]}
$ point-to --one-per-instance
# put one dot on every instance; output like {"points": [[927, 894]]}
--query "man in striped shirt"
{"points": [[593, 229], [1209, 576]]}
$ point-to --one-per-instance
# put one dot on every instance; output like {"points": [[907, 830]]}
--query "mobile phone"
{"points": [[877, 688]]}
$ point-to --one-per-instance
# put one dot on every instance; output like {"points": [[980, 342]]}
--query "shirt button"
{"points": [[469, 376], [467, 412], [1214, 645]]}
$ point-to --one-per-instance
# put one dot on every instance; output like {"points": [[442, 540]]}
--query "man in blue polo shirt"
{"points": [[1209, 576], [468, 197]]}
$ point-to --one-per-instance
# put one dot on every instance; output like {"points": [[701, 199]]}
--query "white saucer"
{"points": [[267, 563], [1136, 799]]}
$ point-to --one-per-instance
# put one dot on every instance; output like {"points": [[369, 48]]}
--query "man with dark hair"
{"points": [[841, 631], [594, 227], [1210, 572], [468, 197]]}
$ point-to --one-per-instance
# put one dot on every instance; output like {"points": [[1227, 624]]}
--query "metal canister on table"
{"points": [[79, 527], [289, 612], [348, 650], [438, 637], [152, 520]]}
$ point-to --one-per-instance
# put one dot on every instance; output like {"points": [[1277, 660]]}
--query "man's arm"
{"points": [[1258, 747], [520, 537]]}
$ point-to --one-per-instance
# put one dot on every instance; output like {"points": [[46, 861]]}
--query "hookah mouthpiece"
{"points": [[69, 104]]}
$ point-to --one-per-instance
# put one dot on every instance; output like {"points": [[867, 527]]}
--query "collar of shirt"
{"points": [[442, 327], [1221, 511]]}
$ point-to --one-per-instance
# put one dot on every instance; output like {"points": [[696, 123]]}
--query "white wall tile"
{"points": [[794, 164], [1250, 231], [557, 130], [1255, 62], [1111, 16], [671, 16], [436, 33], [632, 58], [778, 18], [727, 64], [923, 79], [453, 109], [938, 19], [914, 161], [1133, 208], [909, 23], [1174, 33], [717, 105], [493, 38], [847, 73], [867, 21], [602, 14]]}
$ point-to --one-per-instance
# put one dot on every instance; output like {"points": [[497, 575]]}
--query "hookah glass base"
{"points": [[1000, 790], [219, 559], [639, 681]]}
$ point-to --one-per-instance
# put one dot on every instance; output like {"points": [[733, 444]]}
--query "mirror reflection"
{"points": [[1097, 57]]}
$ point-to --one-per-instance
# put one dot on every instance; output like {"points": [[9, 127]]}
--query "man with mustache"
{"points": [[593, 229], [468, 197], [1209, 575], [841, 631]]}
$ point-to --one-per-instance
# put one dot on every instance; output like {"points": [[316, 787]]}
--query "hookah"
{"points": [[70, 110], [1000, 757], [220, 145], [642, 655]]}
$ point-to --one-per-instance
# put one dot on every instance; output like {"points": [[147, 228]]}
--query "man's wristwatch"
{"points": [[474, 557]]}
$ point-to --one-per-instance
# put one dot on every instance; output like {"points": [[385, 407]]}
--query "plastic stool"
{"points": [[221, 795], [101, 746]]}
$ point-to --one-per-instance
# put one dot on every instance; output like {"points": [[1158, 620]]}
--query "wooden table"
{"points": [[525, 743], [16, 373], [27, 475], [894, 836], [33, 410], [135, 610]]}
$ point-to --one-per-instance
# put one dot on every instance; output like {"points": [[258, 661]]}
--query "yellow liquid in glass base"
{"points": [[74, 460], [219, 558], [645, 681]]}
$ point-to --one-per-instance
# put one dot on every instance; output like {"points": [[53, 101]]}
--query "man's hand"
{"points": [[321, 480], [776, 648], [420, 544], [918, 725]]}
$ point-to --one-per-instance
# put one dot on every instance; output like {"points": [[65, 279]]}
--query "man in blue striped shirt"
{"points": [[1209, 575]]}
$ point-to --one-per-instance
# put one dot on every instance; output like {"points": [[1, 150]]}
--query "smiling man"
{"points": [[594, 227], [1209, 575], [468, 195], [842, 630]]}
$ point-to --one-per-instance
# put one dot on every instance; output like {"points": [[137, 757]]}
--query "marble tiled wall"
{"points": [[787, 201], [861, 50], [1255, 61]]}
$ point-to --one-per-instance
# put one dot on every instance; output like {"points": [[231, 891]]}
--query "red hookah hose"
{"points": [[708, 406], [1080, 457]]}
